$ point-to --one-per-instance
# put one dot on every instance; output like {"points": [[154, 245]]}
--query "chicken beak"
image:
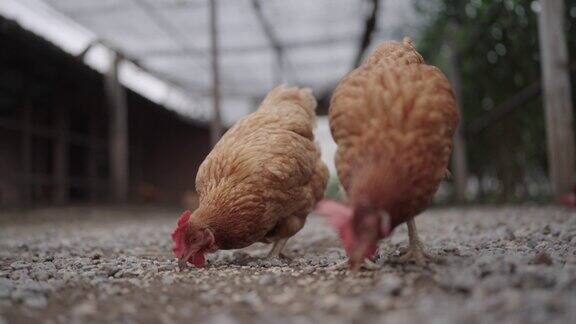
{"points": [[183, 261]]}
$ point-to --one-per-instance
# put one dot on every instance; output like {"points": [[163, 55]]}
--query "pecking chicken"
{"points": [[259, 182], [393, 119]]}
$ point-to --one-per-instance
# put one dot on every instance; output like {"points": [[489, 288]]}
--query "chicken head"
{"points": [[360, 229], [191, 242]]}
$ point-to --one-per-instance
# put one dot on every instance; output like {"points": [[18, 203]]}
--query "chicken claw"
{"points": [[415, 251]]}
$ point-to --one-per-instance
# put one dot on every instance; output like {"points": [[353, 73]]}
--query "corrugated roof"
{"points": [[319, 40]]}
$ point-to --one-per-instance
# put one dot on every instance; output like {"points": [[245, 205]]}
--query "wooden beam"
{"points": [[459, 156], [60, 153], [557, 96], [216, 125], [171, 30], [508, 106], [250, 50], [278, 69], [503, 109], [369, 28], [118, 112]]}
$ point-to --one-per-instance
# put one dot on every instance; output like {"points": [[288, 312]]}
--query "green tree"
{"points": [[497, 42]]}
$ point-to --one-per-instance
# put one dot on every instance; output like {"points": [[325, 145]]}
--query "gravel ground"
{"points": [[83, 265]]}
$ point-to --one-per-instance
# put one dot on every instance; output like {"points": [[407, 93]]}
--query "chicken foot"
{"points": [[415, 251]]}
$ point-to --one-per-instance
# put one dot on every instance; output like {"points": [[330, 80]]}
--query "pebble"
{"points": [[167, 280], [37, 301], [84, 309], [390, 284], [19, 265], [542, 258], [266, 279]]}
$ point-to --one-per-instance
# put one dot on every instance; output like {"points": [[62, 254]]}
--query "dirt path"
{"points": [[79, 265]]}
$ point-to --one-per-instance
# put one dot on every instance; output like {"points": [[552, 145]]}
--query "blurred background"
{"points": [[120, 100]]}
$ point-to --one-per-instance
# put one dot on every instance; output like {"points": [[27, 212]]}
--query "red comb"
{"points": [[178, 234]]}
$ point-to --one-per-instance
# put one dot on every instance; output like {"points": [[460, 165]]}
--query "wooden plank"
{"points": [[557, 96], [216, 125], [118, 136]]}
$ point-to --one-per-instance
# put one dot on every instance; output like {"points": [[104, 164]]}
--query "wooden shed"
{"points": [[55, 132]]}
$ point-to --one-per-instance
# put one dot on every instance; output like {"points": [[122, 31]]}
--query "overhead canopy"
{"points": [[303, 42]]}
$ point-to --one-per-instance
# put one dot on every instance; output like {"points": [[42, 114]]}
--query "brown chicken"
{"points": [[393, 119], [259, 182]]}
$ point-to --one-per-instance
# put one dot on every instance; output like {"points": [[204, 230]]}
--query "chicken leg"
{"points": [[276, 251], [415, 251]]}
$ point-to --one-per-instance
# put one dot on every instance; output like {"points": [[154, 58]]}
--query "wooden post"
{"points": [[459, 159], [118, 140], [216, 126], [93, 155], [557, 97], [26, 155], [60, 153], [277, 70]]}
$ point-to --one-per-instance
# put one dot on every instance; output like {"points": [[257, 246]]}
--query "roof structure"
{"points": [[262, 42]]}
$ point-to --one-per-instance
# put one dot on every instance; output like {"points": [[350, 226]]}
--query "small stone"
{"points": [[167, 280], [167, 267], [266, 280], [391, 284], [129, 308], [41, 275], [18, 265], [4, 292], [542, 258], [164, 299], [37, 301], [84, 309], [48, 258], [96, 256]]}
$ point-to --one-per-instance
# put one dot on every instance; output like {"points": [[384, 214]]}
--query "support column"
{"points": [[459, 157], [60, 154], [93, 156], [118, 131], [26, 144], [557, 97], [216, 125]]}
